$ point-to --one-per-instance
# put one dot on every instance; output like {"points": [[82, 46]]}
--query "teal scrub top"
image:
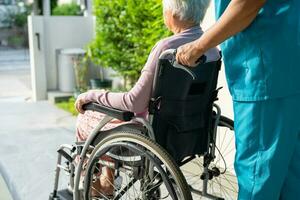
{"points": [[263, 61]]}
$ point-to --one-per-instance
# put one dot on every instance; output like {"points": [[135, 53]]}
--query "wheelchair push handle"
{"points": [[171, 54], [201, 60], [116, 113]]}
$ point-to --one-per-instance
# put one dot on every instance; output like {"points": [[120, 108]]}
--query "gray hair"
{"points": [[187, 10]]}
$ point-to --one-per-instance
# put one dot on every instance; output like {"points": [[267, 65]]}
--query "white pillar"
{"points": [[37, 58], [46, 7], [88, 11], [35, 7]]}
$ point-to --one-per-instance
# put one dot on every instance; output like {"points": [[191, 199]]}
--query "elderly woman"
{"points": [[183, 19]]}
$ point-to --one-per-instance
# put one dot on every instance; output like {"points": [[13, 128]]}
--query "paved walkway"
{"points": [[11, 59], [30, 134]]}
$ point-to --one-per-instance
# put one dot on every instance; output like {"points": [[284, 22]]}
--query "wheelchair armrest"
{"points": [[116, 113]]}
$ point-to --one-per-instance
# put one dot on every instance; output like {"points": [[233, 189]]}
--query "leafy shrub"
{"points": [[20, 19], [126, 30], [67, 9]]}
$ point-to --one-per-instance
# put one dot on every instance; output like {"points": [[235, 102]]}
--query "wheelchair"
{"points": [[182, 151]]}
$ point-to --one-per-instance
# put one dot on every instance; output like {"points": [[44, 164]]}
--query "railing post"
{"points": [[88, 8], [46, 8]]}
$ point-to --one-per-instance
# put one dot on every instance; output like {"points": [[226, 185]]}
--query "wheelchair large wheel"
{"points": [[142, 169], [222, 180]]}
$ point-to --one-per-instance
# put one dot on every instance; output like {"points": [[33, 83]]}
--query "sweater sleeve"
{"points": [[137, 99]]}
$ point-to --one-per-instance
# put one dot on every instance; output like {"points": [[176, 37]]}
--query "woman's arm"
{"points": [[136, 100], [238, 15]]}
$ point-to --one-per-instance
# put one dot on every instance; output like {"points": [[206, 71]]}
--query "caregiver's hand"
{"points": [[238, 15], [189, 54]]}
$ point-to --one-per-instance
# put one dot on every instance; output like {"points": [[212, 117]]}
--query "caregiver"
{"points": [[261, 50]]}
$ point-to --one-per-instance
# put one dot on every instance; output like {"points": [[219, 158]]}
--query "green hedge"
{"points": [[126, 30], [53, 4], [67, 10]]}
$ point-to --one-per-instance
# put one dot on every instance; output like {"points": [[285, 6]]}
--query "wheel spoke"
{"points": [[145, 169]]}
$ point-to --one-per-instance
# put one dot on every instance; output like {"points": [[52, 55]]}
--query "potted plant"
{"points": [[100, 83], [80, 69]]}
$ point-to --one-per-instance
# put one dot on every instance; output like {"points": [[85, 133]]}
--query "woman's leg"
{"points": [[85, 124], [104, 185]]}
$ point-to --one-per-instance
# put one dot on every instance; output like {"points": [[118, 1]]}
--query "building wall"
{"points": [[55, 33]]}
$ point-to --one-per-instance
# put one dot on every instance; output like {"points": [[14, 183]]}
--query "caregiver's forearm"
{"points": [[238, 15]]}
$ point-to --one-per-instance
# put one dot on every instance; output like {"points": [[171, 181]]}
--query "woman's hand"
{"points": [[188, 54], [80, 101]]}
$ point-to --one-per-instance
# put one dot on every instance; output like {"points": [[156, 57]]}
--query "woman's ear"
{"points": [[168, 19]]}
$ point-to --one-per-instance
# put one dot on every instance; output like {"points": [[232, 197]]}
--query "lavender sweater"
{"points": [[136, 100]]}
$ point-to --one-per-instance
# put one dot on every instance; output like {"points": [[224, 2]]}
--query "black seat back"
{"points": [[182, 107]]}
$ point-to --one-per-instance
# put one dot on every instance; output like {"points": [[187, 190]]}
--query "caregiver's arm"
{"points": [[238, 15]]}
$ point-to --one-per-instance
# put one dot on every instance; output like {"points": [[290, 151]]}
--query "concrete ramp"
{"points": [[30, 135]]}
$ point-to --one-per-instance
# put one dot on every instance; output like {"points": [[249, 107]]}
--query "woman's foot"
{"points": [[104, 186], [99, 191]]}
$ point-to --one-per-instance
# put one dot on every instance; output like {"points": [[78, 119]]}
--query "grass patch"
{"points": [[68, 106]]}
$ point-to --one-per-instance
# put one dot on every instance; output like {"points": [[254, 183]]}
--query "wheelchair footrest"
{"points": [[62, 195]]}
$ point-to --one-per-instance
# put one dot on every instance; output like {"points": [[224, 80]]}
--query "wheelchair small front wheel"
{"points": [[146, 170]]}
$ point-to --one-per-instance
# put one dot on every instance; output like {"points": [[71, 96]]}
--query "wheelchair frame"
{"points": [[125, 116]]}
